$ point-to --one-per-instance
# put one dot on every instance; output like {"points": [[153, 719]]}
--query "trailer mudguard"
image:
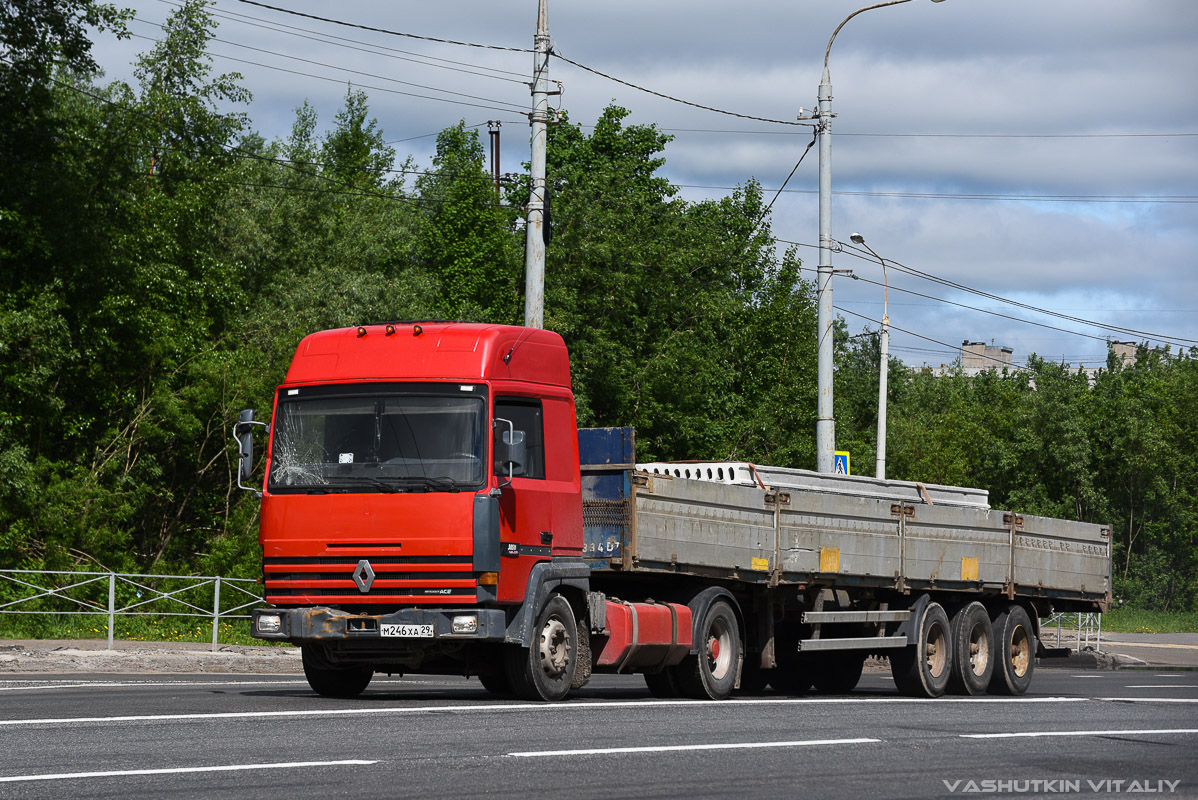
{"points": [[911, 627]]}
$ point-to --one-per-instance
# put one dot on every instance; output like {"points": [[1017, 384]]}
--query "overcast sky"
{"points": [[1058, 140]]}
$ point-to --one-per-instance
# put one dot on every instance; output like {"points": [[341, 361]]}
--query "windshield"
{"points": [[374, 438]]}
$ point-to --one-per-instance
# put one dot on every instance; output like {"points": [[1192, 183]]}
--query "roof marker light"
{"points": [[417, 330], [390, 330], [361, 332]]}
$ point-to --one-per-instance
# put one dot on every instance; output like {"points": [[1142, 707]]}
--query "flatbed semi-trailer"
{"points": [[430, 507]]}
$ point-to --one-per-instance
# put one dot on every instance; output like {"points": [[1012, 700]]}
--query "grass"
{"points": [[129, 629], [1137, 620]]}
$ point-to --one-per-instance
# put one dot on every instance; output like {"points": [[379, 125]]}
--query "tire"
{"points": [[330, 681], [496, 683], [661, 684], [923, 668], [973, 650], [546, 670], [711, 673], [838, 673], [1014, 651]]}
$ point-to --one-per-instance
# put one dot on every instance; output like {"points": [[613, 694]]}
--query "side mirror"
{"points": [[514, 452], [511, 451], [243, 434]]}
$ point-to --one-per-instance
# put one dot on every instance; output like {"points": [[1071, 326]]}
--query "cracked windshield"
{"points": [[392, 442]]}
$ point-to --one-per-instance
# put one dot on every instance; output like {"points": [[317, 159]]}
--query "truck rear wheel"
{"points": [[545, 671], [712, 672], [973, 650], [331, 681], [1014, 650], [923, 668], [838, 673]]}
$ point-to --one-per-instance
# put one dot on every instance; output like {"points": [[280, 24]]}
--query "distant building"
{"points": [[978, 357]]}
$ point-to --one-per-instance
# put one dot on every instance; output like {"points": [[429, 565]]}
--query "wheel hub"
{"points": [[554, 648]]}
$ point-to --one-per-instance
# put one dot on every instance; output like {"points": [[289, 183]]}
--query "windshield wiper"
{"points": [[429, 483]]}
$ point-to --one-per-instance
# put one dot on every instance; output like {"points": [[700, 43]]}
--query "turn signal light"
{"points": [[488, 579]]}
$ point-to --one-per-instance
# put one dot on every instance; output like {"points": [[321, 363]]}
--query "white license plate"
{"points": [[407, 631]]}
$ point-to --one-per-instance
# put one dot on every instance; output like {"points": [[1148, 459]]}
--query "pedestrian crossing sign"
{"points": [[841, 463]]}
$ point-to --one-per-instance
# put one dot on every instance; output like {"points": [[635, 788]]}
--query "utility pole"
{"points": [[534, 248], [493, 126], [825, 425]]}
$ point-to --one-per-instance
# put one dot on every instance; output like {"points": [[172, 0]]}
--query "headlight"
{"points": [[269, 623], [465, 624]]}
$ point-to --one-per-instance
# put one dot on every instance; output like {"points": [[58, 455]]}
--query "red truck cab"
{"points": [[384, 439]]}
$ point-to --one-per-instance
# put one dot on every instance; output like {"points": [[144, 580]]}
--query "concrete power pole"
{"points": [[534, 250]]}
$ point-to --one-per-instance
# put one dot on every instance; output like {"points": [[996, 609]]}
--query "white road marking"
{"points": [[66, 776], [602, 751], [139, 684], [1163, 686], [1087, 676], [542, 707], [1149, 699], [1040, 734]]}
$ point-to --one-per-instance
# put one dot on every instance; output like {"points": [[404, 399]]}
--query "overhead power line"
{"points": [[860, 253], [1185, 199], [385, 30], [363, 47], [510, 107]]}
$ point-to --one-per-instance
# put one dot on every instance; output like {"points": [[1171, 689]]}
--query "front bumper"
{"points": [[299, 625]]}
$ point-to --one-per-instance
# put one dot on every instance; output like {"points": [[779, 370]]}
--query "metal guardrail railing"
{"points": [[118, 594], [1084, 628]]}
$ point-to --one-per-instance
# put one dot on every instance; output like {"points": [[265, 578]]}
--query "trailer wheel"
{"points": [[1015, 651], [973, 650], [661, 684], [545, 671], [712, 672], [923, 669], [330, 681], [839, 673]]}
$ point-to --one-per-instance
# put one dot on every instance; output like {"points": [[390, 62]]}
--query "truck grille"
{"points": [[397, 579]]}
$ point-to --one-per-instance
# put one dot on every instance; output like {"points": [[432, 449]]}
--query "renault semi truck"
{"points": [[429, 506]]}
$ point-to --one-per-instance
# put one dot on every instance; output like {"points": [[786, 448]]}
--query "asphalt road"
{"points": [[259, 736]]}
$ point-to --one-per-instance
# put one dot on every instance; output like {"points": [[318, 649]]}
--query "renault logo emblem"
{"points": [[363, 576]]}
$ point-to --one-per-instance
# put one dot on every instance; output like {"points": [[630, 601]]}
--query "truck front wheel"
{"points": [[546, 670], [332, 681], [712, 672]]}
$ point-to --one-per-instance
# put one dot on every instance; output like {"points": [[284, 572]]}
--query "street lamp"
{"points": [[883, 362], [825, 427]]}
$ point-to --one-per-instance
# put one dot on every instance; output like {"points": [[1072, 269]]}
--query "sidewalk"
{"points": [[1131, 650], [93, 655]]}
